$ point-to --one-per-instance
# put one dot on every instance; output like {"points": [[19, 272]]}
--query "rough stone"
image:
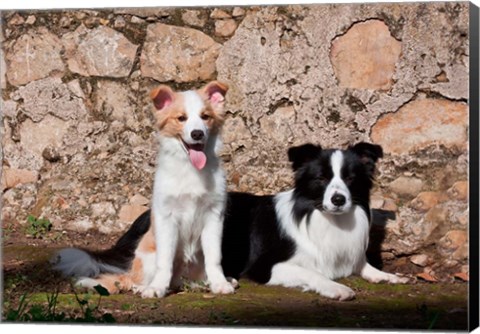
{"points": [[219, 14], [427, 200], [225, 28], [421, 231], [102, 209], [236, 134], [455, 85], [376, 201], [459, 191], [51, 154], [462, 218], [390, 205], [65, 21], [12, 177], [420, 260], [381, 202], [51, 96], [194, 18], [421, 123], [31, 20], [276, 127], [238, 12], [35, 137], [461, 254], [80, 225], [406, 186], [179, 54], [35, 55], [16, 20], [99, 52], [128, 213], [138, 199], [144, 12], [453, 239], [137, 20], [115, 102], [3, 69], [119, 22], [9, 108], [376, 53]]}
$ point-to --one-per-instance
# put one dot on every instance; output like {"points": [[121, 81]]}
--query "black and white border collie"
{"points": [[313, 234], [189, 196]]}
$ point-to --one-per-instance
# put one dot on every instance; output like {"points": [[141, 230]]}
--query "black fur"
{"points": [[252, 240], [122, 253]]}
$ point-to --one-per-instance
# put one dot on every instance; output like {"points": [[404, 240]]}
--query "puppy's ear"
{"points": [[368, 154], [302, 154], [215, 91], [162, 97]]}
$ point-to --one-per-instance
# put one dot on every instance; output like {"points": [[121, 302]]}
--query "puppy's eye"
{"points": [[205, 117], [182, 118], [349, 180]]}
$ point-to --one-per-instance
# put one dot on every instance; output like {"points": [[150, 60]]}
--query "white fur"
{"points": [[337, 186], [187, 208], [193, 106]]}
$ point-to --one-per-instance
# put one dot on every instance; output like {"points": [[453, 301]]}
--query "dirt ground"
{"points": [[26, 271]]}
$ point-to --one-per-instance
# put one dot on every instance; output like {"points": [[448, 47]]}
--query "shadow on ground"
{"points": [[414, 306]]}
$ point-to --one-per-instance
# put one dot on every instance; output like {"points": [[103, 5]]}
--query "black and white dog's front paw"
{"points": [[222, 288], [336, 291]]}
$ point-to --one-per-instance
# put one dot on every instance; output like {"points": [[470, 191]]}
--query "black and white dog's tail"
{"points": [[78, 262]]}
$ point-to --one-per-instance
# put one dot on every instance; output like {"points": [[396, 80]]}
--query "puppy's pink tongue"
{"points": [[198, 158]]}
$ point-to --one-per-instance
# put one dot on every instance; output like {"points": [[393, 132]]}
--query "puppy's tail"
{"points": [[78, 262]]}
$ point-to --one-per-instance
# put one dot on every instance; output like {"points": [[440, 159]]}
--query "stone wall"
{"points": [[79, 144]]}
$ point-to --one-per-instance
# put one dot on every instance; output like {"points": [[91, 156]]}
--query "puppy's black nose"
{"points": [[338, 200], [197, 134]]}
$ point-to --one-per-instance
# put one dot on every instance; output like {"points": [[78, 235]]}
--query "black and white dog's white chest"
{"points": [[339, 244]]}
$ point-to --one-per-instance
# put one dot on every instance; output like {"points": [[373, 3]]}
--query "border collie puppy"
{"points": [[313, 234], [184, 236]]}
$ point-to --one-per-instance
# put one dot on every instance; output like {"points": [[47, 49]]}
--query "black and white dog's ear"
{"points": [[368, 154], [368, 151], [302, 154]]}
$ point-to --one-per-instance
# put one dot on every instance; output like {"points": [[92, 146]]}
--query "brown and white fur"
{"points": [[189, 197]]}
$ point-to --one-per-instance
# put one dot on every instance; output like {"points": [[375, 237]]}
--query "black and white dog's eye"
{"points": [[349, 180], [323, 179]]}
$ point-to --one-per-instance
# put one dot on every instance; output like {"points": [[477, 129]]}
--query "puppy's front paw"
{"points": [[338, 292], [223, 288], [138, 288], [151, 292]]}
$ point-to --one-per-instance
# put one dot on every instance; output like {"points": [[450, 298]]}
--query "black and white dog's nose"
{"points": [[338, 200], [197, 134]]}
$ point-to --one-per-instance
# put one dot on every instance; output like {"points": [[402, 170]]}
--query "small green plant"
{"points": [[40, 313], [37, 227], [36, 313], [89, 310]]}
